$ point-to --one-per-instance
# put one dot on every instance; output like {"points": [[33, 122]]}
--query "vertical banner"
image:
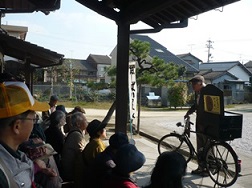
{"points": [[132, 90]]}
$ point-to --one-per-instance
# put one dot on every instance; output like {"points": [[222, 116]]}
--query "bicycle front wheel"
{"points": [[222, 164], [175, 142]]}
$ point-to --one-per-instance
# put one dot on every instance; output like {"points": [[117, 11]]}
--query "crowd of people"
{"points": [[51, 150]]}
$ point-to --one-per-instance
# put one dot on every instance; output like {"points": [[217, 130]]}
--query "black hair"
{"points": [[56, 117], [168, 171]]}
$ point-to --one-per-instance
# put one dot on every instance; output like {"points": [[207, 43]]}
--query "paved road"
{"points": [[158, 123]]}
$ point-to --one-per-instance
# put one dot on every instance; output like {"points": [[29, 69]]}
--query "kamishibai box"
{"points": [[218, 124]]}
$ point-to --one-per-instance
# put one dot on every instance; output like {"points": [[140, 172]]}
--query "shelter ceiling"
{"points": [[22, 50], [158, 14], [28, 6]]}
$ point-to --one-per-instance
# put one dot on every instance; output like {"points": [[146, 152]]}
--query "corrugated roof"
{"points": [[160, 51], [22, 50]]}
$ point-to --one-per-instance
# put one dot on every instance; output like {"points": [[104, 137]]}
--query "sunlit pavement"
{"points": [[158, 123]]}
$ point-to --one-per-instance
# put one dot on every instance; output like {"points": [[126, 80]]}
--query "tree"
{"points": [[153, 71], [177, 94]]}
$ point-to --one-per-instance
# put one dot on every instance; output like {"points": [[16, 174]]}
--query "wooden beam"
{"points": [[122, 78]]}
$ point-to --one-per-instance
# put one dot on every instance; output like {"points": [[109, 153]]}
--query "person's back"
{"points": [[74, 144], [97, 132], [105, 161], [168, 171], [54, 135], [68, 124], [127, 159]]}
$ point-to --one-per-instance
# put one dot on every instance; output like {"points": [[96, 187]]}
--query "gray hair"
{"points": [[77, 118]]}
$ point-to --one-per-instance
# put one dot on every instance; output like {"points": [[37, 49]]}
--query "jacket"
{"points": [[19, 165]]}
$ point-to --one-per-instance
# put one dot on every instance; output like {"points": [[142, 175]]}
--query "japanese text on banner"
{"points": [[132, 90]]}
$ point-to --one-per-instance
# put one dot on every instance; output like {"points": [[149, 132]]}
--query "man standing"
{"points": [[53, 101], [17, 116], [198, 84]]}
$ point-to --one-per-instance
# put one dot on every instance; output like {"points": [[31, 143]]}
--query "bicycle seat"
{"points": [[179, 124]]}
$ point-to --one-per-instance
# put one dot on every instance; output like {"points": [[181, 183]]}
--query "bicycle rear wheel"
{"points": [[222, 164], [175, 142]]}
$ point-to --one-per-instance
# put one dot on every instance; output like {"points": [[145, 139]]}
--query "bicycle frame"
{"points": [[218, 157], [186, 136]]}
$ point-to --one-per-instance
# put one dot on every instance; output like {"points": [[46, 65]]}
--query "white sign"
{"points": [[132, 90]]}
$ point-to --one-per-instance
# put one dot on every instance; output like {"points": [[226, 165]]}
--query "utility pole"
{"points": [[191, 45], [209, 47]]}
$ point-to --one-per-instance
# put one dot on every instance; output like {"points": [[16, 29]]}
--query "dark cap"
{"points": [[197, 78], [61, 108], [94, 127], [128, 159], [54, 98], [79, 109], [118, 139]]}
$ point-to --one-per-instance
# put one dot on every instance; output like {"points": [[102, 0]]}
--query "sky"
{"points": [[76, 31]]}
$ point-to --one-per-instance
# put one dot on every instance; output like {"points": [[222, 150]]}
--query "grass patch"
{"points": [[96, 105]]}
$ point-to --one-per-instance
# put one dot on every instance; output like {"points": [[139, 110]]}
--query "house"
{"points": [[99, 62], [160, 51], [248, 65], [232, 67], [83, 71], [190, 59], [231, 77]]}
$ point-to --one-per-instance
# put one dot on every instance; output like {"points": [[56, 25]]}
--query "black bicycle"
{"points": [[221, 160]]}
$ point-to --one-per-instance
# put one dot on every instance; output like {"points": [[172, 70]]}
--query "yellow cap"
{"points": [[16, 98]]}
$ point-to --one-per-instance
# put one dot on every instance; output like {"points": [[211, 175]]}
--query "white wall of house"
{"points": [[101, 71], [240, 73]]}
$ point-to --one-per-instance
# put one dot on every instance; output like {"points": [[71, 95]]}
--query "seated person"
{"points": [[17, 114], [68, 124], [54, 134], [168, 171], [127, 159], [73, 146], [97, 133], [105, 161], [84, 165]]}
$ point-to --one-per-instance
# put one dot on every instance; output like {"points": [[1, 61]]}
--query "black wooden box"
{"points": [[228, 127]]}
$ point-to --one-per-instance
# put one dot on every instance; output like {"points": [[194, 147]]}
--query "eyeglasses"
{"points": [[33, 119]]}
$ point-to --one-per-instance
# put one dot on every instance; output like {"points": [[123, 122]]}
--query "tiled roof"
{"points": [[81, 65], [248, 65], [223, 66], [101, 59], [218, 66], [216, 74], [160, 51], [188, 54]]}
